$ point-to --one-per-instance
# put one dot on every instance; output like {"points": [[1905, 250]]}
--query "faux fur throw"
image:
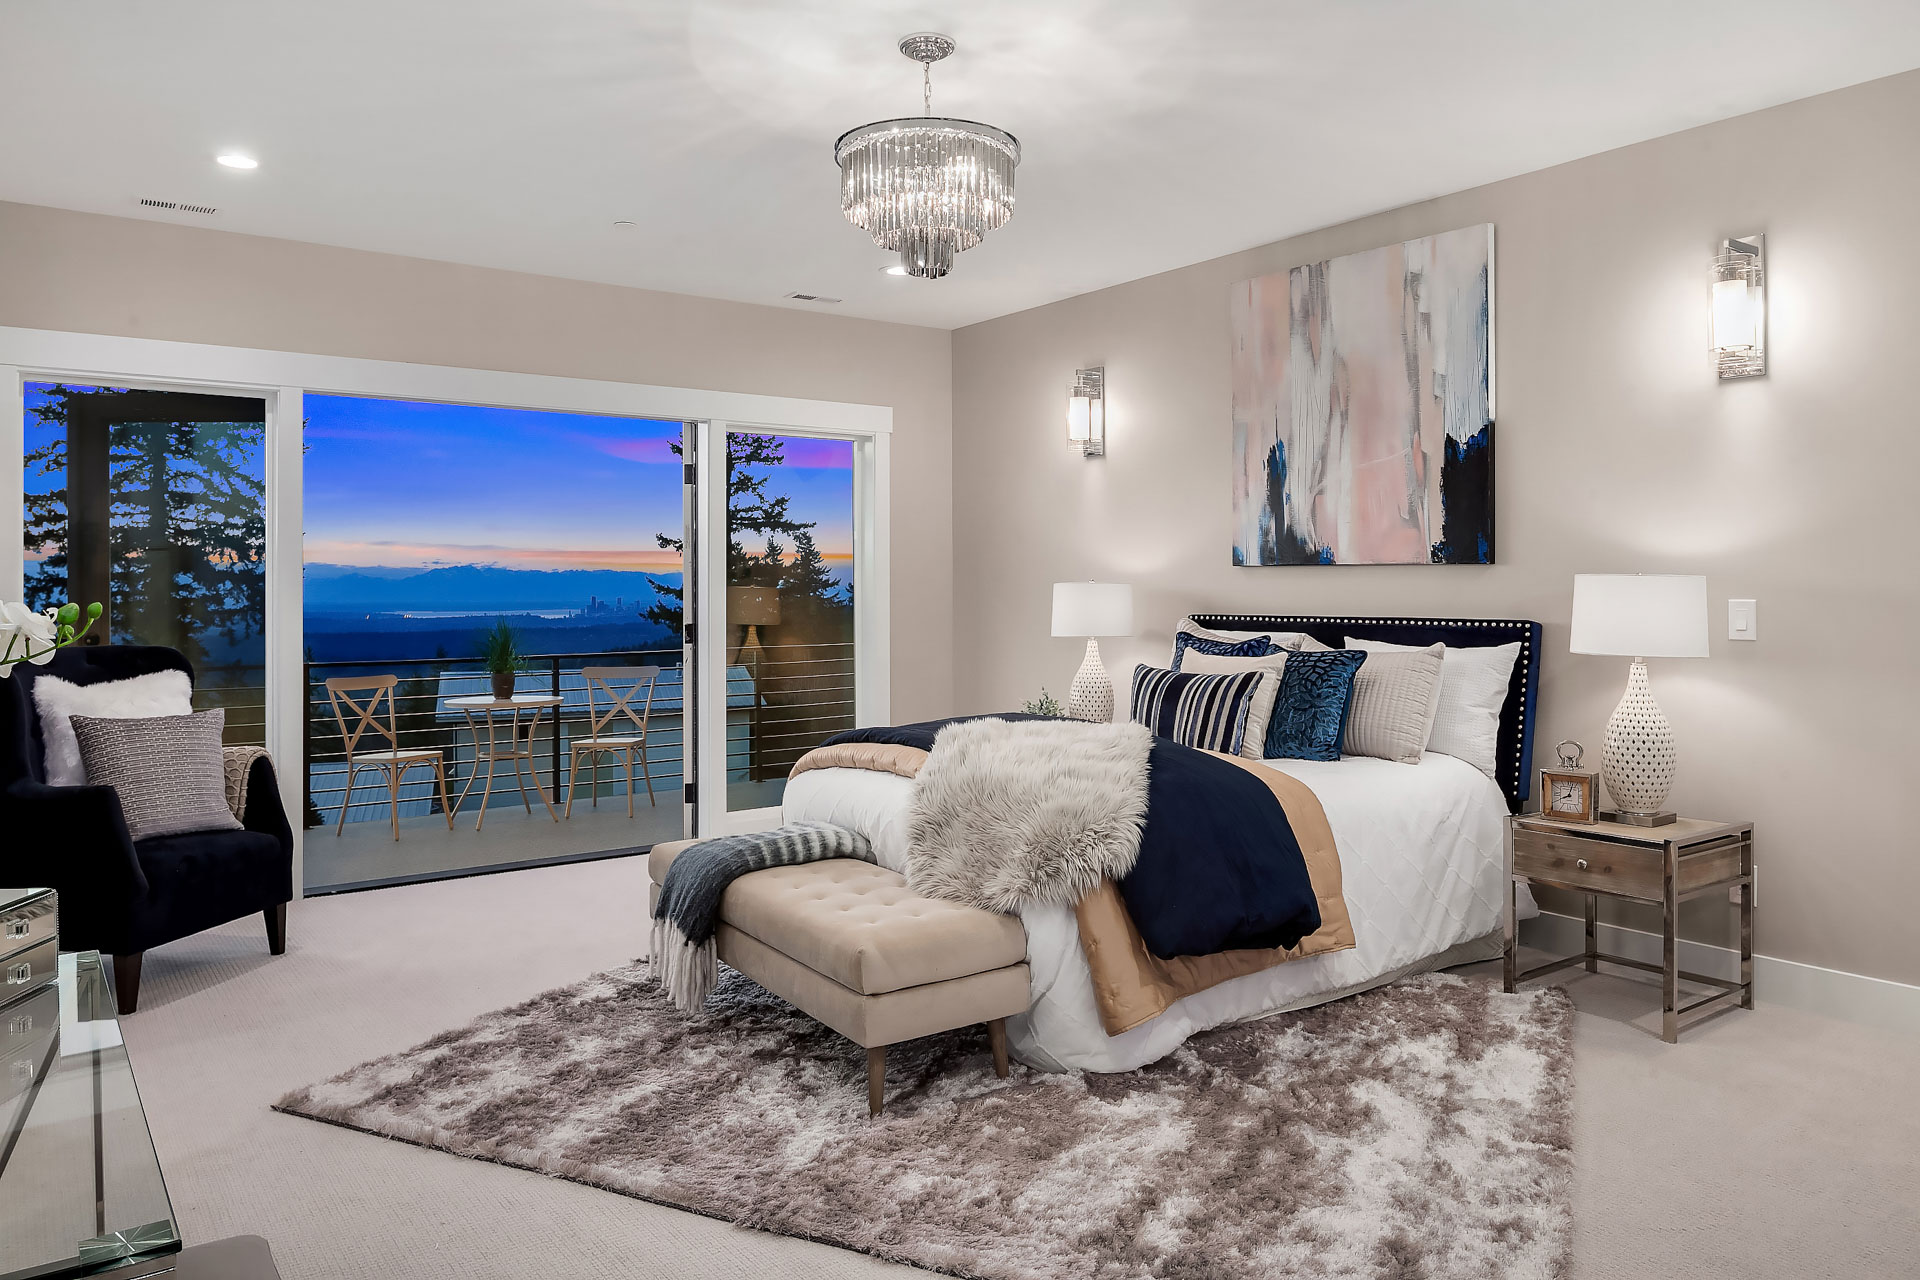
{"points": [[1008, 813], [689, 906], [238, 763]]}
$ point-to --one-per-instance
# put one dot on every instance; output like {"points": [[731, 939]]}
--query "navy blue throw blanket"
{"points": [[1219, 867]]}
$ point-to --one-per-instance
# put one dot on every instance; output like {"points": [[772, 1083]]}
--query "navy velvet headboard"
{"points": [[1514, 761]]}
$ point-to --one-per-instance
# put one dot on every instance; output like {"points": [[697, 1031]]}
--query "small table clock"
{"points": [[1570, 793]]}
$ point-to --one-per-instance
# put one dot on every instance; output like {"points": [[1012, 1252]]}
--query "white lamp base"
{"points": [[1639, 756], [1091, 695]]}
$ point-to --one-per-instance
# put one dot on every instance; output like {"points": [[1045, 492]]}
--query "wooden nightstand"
{"points": [[1660, 865]]}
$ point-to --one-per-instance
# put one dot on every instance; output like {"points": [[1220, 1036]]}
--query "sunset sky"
{"points": [[407, 485], [400, 484]]}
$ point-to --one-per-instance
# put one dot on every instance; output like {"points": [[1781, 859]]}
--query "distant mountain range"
{"points": [[332, 588]]}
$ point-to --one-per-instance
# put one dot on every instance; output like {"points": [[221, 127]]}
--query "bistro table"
{"points": [[489, 714]]}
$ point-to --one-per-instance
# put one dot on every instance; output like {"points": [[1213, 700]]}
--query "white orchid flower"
{"points": [[26, 636]]}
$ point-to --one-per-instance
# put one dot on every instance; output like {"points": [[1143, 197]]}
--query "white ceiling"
{"points": [[511, 133]]}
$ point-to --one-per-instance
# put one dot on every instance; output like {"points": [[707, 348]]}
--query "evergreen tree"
{"points": [[806, 578], [187, 519], [750, 510]]}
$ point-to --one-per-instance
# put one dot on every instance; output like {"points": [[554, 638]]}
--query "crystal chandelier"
{"points": [[926, 187]]}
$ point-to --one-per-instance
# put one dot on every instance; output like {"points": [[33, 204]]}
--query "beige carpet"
{"points": [[1766, 1144]]}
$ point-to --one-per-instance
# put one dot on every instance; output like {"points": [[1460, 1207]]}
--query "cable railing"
{"points": [[781, 701]]}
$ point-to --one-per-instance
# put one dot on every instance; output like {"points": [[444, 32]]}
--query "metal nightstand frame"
{"points": [[1674, 847]]}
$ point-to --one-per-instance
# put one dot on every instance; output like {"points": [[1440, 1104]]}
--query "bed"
{"points": [[1420, 849]]}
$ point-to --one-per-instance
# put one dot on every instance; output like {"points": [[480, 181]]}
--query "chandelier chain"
{"points": [[926, 87]]}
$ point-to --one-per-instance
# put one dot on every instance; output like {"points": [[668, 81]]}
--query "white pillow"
{"points": [[1253, 741], [1473, 688], [161, 693]]}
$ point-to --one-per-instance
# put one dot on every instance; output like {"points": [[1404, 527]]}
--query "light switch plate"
{"points": [[1743, 620]]}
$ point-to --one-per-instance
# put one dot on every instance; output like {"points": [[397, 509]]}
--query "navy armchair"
{"points": [[119, 896]]}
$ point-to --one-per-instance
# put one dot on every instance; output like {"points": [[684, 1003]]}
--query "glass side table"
{"points": [[80, 1186]]}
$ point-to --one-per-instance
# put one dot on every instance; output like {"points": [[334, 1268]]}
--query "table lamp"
{"points": [[1092, 609], [752, 608], [1639, 615]]}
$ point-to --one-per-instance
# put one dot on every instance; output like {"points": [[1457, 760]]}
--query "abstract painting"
{"points": [[1363, 407]]}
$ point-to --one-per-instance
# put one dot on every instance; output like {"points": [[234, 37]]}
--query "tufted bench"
{"points": [[849, 944]]}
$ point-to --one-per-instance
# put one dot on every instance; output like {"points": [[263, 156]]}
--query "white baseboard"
{"points": [[1831, 992]]}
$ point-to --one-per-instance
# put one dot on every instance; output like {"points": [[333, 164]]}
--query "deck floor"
{"points": [[366, 852]]}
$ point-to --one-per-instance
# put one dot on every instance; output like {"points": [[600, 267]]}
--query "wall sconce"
{"points": [[1740, 307], [1087, 412]]}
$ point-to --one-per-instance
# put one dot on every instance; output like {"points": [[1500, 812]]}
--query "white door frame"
{"points": [[282, 378], [872, 670]]}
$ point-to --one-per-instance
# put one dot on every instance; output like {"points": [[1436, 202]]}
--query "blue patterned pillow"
{"points": [[1258, 647], [1204, 711], [1310, 711]]}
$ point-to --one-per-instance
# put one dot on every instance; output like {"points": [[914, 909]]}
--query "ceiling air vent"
{"points": [[812, 297], [174, 206]]}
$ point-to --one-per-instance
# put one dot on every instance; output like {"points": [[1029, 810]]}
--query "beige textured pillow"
{"points": [[1253, 742], [1396, 696]]}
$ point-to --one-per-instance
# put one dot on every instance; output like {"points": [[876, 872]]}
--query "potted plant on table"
{"points": [[500, 655], [26, 636]]}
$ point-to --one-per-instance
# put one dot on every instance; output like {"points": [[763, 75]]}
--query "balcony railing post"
{"points": [[306, 742], [555, 731]]}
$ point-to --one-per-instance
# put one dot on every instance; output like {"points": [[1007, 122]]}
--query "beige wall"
{"points": [[93, 274], [1618, 450]]}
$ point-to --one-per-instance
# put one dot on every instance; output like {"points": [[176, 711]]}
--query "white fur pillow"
{"points": [[161, 693], [1253, 740], [1473, 688]]}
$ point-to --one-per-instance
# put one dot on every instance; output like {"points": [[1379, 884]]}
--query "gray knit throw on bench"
{"points": [[689, 907]]}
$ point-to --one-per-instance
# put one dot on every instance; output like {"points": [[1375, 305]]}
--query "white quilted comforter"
{"points": [[1420, 852]]}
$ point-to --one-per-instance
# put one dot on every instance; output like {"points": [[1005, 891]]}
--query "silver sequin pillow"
{"points": [[1396, 696], [166, 769]]}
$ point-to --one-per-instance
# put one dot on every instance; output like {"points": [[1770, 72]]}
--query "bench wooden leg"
{"points": [[876, 1079], [997, 1037]]}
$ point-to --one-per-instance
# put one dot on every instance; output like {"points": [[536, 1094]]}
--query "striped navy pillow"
{"points": [[1204, 711]]}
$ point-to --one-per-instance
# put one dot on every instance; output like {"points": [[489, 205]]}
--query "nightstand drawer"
{"points": [[25, 970], [1636, 871], [27, 920]]}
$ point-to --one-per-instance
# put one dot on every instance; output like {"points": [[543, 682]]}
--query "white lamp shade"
{"points": [[1640, 615], [1092, 609], [1080, 417]]}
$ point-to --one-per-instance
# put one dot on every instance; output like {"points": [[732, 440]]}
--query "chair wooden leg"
{"points": [[393, 797], [997, 1037], [876, 1079], [345, 797], [276, 929], [629, 755], [573, 780], [440, 778], [126, 982], [646, 771]]}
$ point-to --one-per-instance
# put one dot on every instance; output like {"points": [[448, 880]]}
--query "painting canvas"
{"points": [[1363, 407]]}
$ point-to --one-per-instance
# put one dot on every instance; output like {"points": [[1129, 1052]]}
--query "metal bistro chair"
{"points": [[393, 762], [595, 744]]}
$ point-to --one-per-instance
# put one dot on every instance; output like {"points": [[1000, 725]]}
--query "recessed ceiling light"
{"points": [[624, 222], [234, 160], [895, 270]]}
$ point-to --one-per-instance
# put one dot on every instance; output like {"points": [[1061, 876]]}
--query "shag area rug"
{"points": [[1420, 1130]]}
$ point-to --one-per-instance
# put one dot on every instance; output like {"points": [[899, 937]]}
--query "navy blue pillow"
{"points": [[1258, 647], [1310, 711]]}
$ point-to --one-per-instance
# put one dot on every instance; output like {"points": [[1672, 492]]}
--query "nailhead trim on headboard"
{"points": [[1516, 714]]}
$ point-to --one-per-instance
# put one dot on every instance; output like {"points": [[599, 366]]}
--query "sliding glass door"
{"points": [[789, 606], [153, 503], [440, 535], [298, 525]]}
